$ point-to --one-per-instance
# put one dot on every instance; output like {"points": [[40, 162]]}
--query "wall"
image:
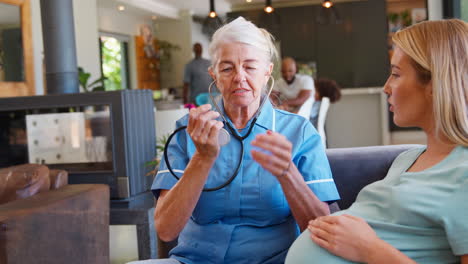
{"points": [[358, 119], [86, 37], [38, 47], [177, 32], [198, 36], [464, 10], [434, 8]]}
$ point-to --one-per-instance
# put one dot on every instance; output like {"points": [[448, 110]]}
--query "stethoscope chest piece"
{"points": [[223, 137]]}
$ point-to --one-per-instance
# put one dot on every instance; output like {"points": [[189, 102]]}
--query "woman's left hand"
{"points": [[276, 154], [346, 236]]}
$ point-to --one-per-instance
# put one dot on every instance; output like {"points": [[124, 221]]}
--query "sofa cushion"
{"points": [[22, 181], [58, 178], [354, 168]]}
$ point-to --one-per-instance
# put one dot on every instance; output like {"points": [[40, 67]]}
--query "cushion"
{"points": [[22, 181], [58, 178]]}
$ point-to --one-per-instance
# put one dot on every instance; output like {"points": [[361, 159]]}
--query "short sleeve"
{"points": [[178, 160], [277, 87], [455, 220], [312, 162], [308, 83], [187, 71]]}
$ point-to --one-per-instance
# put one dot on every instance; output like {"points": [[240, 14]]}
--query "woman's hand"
{"points": [[276, 154], [204, 129], [346, 236]]}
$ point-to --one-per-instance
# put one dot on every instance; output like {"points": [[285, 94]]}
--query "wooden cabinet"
{"points": [[147, 64]]}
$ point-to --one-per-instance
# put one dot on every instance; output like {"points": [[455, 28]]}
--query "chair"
{"points": [[324, 106], [45, 220], [306, 107]]}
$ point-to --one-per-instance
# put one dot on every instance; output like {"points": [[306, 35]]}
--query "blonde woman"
{"points": [[418, 213]]}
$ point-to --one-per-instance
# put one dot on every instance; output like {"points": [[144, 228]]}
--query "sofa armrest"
{"points": [[67, 225], [354, 168]]}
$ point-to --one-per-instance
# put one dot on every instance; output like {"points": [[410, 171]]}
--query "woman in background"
{"points": [[418, 212], [323, 88]]}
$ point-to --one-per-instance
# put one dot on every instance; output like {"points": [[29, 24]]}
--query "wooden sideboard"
{"points": [[148, 73]]}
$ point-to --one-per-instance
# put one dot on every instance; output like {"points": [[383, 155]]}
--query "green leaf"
{"points": [[100, 80]]}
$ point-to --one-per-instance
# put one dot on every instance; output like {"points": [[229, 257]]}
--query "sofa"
{"points": [[352, 168], [45, 220]]}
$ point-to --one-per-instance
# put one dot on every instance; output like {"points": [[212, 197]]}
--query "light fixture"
{"points": [[268, 8], [212, 22], [328, 14], [121, 8], [248, 1], [270, 19], [212, 13], [327, 4]]}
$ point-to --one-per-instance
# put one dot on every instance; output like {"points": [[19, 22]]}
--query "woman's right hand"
{"points": [[204, 129]]}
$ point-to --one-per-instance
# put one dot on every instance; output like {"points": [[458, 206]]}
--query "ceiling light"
{"points": [[327, 4], [212, 22], [268, 8], [248, 1], [328, 14], [212, 13], [121, 8]]}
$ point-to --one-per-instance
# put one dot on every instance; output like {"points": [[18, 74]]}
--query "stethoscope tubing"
{"points": [[166, 159], [233, 133]]}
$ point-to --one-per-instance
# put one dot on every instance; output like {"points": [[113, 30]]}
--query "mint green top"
{"points": [[423, 214]]}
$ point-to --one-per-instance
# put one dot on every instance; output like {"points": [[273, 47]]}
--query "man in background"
{"points": [[293, 89], [196, 77]]}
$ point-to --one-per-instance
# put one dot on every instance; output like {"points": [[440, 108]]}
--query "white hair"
{"points": [[243, 31]]}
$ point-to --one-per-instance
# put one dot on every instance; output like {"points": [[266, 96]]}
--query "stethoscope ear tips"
{"points": [[223, 137]]}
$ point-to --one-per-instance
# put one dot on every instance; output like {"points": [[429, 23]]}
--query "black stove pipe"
{"points": [[58, 35]]}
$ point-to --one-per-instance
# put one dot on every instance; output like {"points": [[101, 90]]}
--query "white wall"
{"points": [[198, 36], [177, 32], [358, 119], [86, 37], [125, 23], [435, 9], [38, 47]]}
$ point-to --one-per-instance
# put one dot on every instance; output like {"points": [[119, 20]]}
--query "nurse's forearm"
{"points": [[175, 208], [303, 202]]}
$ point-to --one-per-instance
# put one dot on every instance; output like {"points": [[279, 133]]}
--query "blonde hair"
{"points": [[439, 50], [243, 31]]}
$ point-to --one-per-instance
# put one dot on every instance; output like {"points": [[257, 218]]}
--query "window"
{"points": [[114, 61]]}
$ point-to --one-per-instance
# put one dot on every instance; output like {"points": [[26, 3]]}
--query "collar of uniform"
{"points": [[264, 119]]}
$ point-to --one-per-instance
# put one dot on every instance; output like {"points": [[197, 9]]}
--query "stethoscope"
{"points": [[223, 138]]}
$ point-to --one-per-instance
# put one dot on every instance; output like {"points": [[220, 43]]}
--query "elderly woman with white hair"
{"points": [[283, 180]]}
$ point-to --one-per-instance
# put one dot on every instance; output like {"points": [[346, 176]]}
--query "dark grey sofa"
{"points": [[352, 168]]}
